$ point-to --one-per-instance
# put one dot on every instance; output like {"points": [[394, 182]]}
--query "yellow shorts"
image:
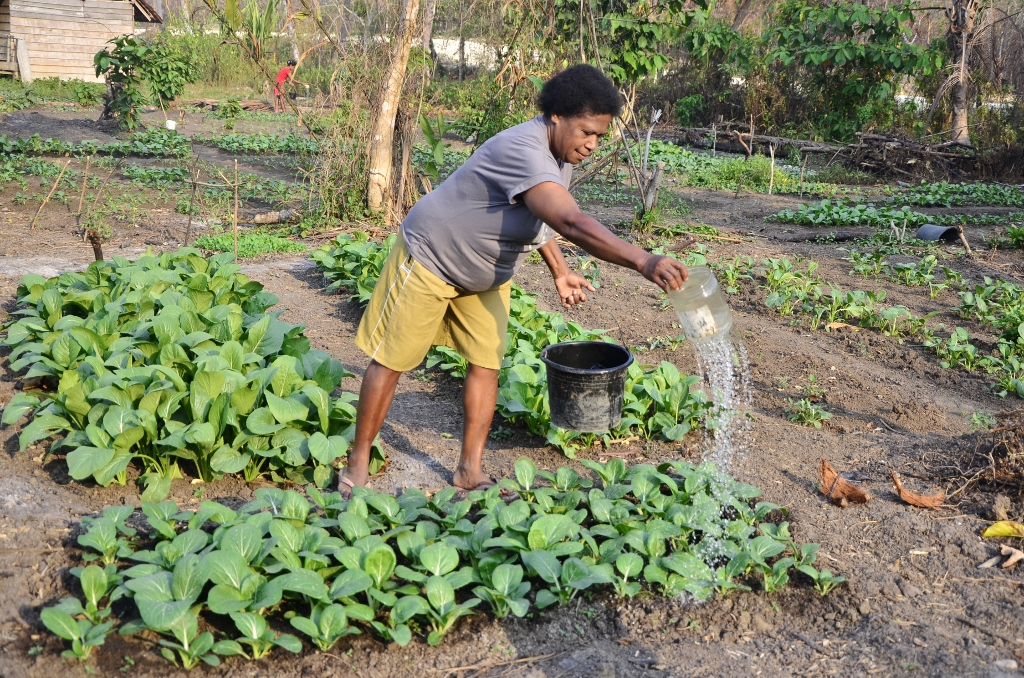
{"points": [[412, 309]]}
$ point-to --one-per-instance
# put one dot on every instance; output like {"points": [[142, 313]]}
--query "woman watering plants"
{"points": [[448, 277]]}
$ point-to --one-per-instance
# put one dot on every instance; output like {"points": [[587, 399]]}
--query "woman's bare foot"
{"points": [[473, 480], [348, 479]]}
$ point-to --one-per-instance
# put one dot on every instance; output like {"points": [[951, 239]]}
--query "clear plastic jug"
{"points": [[701, 306]]}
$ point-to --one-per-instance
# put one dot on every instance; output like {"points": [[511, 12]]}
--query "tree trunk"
{"points": [[428, 23], [379, 182], [462, 39], [742, 12], [961, 29]]}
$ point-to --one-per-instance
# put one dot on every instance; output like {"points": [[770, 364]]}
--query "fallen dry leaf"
{"points": [[932, 501], [1004, 528], [836, 325], [1016, 555], [991, 562], [839, 491]]}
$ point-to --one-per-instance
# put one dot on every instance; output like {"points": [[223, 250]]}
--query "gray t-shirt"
{"points": [[474, 231]]}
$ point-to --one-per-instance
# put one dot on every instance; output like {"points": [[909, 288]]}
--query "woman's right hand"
{"points": [[667, 273]]}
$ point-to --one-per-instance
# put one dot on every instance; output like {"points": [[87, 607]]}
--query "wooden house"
{"points": [[58, 38]]}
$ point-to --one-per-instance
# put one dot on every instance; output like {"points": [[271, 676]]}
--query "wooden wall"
{"points": [[64, 35]]}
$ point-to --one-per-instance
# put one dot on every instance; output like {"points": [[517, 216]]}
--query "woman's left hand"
{"points": [[572, 288]]}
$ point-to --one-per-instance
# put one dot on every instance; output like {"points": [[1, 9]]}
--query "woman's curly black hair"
{"points": [[579, 90]]}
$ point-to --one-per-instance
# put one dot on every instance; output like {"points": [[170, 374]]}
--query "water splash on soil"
{"points": [[725, 369]]}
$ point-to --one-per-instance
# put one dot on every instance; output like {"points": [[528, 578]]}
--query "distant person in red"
{"points": [[283, 76]]}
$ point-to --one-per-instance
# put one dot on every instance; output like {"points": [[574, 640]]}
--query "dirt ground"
{"points": [[915, 603]]}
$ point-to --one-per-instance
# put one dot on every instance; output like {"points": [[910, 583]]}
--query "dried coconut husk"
{"points": [[839, 491], [932, 501]]}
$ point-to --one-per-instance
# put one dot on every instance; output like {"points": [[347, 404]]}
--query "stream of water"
{"points": [[725, 370]]}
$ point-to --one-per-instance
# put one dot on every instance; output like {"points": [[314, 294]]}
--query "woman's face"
{"points": [[573, 139]]}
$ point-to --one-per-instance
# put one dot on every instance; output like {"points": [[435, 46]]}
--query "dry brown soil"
{"points": [[916, 602]]}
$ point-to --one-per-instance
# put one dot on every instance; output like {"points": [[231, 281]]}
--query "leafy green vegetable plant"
{"points": [[398, 567], [807, 412], [249, 244], [82, 633], [170, 359]]}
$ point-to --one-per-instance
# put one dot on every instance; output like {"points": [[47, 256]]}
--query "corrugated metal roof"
{"points": [[145, 12]]}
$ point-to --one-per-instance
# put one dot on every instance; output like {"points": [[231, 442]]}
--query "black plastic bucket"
{"points": [[585, 384]]}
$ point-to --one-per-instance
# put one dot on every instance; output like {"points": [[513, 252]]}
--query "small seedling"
{"points": [[981, 421], [813, 388], [502, 433], [808, 413]]}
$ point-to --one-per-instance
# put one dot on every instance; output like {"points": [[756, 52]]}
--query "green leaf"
{"points": [[225, 567], [42, 426], [261, 422], [325, 450], [94, 584], [380, 564], [526, 472], [575, 573], [408, 607], [85, 461], [245, 539], [60, 623], [304, 582], [224, 599], [20, 405], [161, 615], [285, 410], [349, 583], [289, 642], [250, 625], [439, 592], [506, 578], [229, 460], [550, 529], [545, 564], [545, 598], [629, 564], [439, 558]]}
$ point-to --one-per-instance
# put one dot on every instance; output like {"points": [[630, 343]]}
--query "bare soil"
{"points": [[915, 602]]}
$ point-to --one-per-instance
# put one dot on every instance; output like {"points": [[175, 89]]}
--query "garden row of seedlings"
{"points": [[940, 194], [658, 401], [159, 143], [998, 305], [414, 565], [174, 358]]}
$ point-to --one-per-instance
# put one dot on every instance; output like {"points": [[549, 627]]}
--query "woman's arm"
{"points": [[552, 204]]}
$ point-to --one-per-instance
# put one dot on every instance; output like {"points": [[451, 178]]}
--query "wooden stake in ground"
{"points": [[234, 225], [47, 199], [85, 182], [802, 168], [97, 246], [192, 200], [771, 171], [963, 239]]}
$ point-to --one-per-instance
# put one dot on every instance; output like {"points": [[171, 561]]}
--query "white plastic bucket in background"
{"points": [[170, 124]]}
